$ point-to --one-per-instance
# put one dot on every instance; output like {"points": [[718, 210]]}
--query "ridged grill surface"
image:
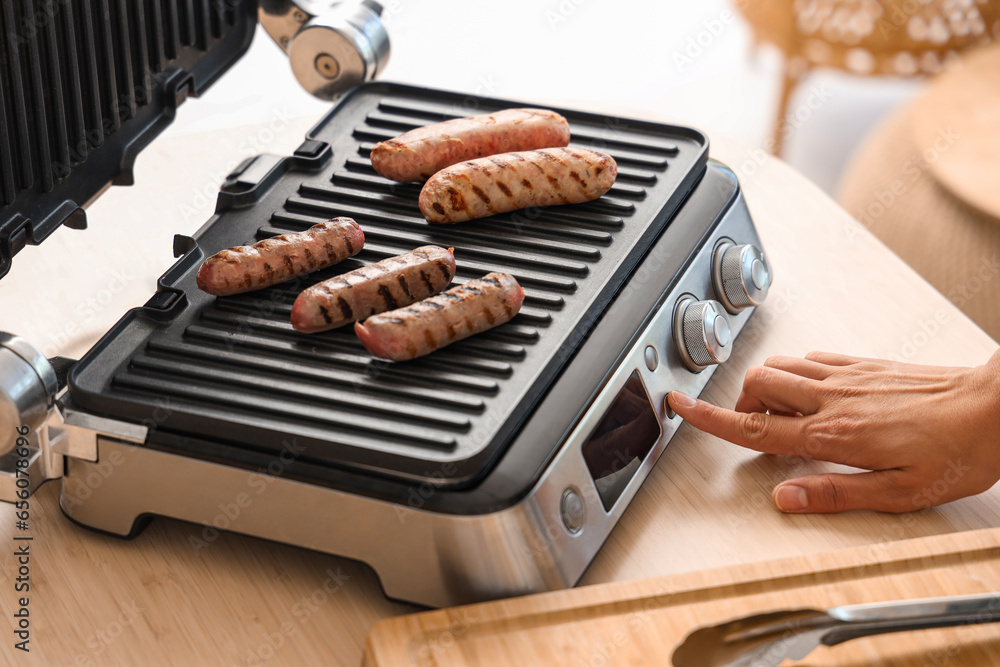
{"points": [[233, 368], [72, 74]]}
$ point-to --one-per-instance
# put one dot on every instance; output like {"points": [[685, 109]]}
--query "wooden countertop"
{"points": [[98, 600]]}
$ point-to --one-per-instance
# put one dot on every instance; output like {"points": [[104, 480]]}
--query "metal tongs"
{"points": [[767, 639]]}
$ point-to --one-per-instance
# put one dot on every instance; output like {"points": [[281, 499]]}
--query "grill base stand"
{"points": [[448, 559]]}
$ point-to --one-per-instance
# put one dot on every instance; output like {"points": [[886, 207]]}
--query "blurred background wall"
{"points": [[694, 62]]}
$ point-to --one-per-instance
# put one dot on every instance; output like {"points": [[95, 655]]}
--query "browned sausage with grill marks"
{"points": [[281, 258], [420, 153], [407, 333], [501, 183], [392, 283]]}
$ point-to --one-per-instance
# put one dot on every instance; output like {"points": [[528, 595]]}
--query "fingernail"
{"points": [[791, 498], [681, 399]]}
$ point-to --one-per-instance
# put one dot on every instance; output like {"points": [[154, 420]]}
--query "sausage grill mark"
{"points": [[445, 270], [404, 286], [429, 339], [539, 177], [440, 320], [281, 258], [456, 200], [427, 280], [482, 195], [345, 308], [390, 303], [387, 285], [420, 153]]}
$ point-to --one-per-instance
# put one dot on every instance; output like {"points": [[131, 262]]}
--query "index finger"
{"points": [[770, 434]]}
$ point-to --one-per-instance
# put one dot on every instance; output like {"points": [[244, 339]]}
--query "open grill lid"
{"points": [[85, 85], [232, 369]]}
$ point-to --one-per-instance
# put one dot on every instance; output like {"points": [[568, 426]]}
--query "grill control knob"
{"points": [[703, 334], [741, 275]]}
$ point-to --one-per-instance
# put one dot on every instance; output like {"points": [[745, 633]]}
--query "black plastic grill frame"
{"points": [[85, 85]]}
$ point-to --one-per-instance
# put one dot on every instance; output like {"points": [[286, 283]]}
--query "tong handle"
{"points": [[864, 620]]}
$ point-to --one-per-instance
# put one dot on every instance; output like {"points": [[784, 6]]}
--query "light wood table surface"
{"points": [[98, 600]]}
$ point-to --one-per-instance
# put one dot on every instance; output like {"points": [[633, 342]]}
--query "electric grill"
{"points": [[495, 467]]}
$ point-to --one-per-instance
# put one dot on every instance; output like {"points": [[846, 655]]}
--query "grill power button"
{"points": [[573, 511]]}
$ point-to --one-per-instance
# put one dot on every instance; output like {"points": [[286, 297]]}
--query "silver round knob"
{"points": [[340, 49], [703, 333], [742, 276], [28, 388]]}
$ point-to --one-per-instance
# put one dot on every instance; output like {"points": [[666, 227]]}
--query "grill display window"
{"points": [[620, 443]]}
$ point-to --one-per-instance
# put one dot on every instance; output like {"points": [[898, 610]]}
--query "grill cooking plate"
{"points": [[232, 369]]}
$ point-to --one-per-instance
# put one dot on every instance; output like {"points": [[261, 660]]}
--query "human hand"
{"points": [[928, 434]]}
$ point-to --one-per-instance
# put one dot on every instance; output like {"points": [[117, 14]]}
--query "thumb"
{"points": [[831, 493]]}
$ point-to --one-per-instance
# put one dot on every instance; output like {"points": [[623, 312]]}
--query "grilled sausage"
{"points": [[392, 283], [501, 183], [431, 324], [275, 260], [420, 153]]}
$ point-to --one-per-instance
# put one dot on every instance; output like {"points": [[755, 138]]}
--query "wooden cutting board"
{"points": [[641, 622]]}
